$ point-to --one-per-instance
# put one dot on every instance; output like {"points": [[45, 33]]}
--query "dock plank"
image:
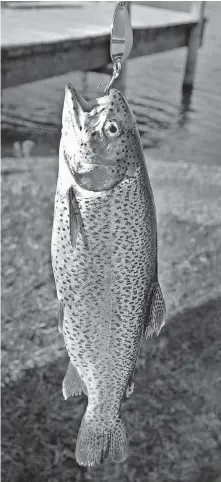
{"points": [[36, 62], [42, 43], [22, 27]]}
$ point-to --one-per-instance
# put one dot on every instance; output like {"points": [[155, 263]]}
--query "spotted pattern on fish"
{"points": [[108, 285]]}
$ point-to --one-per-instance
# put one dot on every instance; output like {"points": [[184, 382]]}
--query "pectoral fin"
{"points": [[156, 318], [75, 220]]}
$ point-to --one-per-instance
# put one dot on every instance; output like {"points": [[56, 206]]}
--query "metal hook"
{"points": [[116, 73]]}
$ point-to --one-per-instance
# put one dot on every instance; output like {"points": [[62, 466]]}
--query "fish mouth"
{"points": [[92, 164], [87, 106]]}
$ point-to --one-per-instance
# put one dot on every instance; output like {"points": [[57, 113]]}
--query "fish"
{"points": [[104, 258]]}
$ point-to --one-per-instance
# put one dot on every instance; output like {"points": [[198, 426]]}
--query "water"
{"points": [[170, 128]]}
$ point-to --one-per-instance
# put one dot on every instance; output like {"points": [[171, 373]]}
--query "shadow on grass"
{"points": [[173, 418]]}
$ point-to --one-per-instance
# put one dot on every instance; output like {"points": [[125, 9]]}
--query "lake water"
{"points": [[169, 129]]}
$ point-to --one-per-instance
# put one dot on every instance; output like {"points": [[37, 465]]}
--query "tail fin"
{"points": [[94, 444]]}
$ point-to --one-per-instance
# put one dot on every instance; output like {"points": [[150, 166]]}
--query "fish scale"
{"points": [[104, 257]]}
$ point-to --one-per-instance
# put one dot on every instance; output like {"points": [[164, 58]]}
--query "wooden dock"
{"points": [[42, 41]]}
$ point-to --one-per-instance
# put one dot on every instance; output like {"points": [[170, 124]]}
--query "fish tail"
{"points": [[96, 444]]}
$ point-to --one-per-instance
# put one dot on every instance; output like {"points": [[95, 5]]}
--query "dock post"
{"points": [[84, 83], [193, 46], [120, 82]]}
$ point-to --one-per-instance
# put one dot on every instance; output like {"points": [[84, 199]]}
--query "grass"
{"points": [[28, 295], [173, 418]]}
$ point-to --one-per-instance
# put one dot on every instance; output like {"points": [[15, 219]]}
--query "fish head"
{"points": [[98, 139]]}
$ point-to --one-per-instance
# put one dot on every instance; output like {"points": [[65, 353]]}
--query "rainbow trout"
{"points": [[104, 257]]}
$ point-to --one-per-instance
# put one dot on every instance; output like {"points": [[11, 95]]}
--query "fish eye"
{"points": [[112, 129]]}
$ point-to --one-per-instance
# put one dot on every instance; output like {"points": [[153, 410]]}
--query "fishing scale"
{"points": [[121, 41]]}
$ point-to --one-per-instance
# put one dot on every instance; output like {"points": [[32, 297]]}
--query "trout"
{"points": [[104, 258]]}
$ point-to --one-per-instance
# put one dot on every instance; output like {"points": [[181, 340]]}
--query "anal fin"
{"points": [[72, 383], [156, 319], [130, 386]]}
